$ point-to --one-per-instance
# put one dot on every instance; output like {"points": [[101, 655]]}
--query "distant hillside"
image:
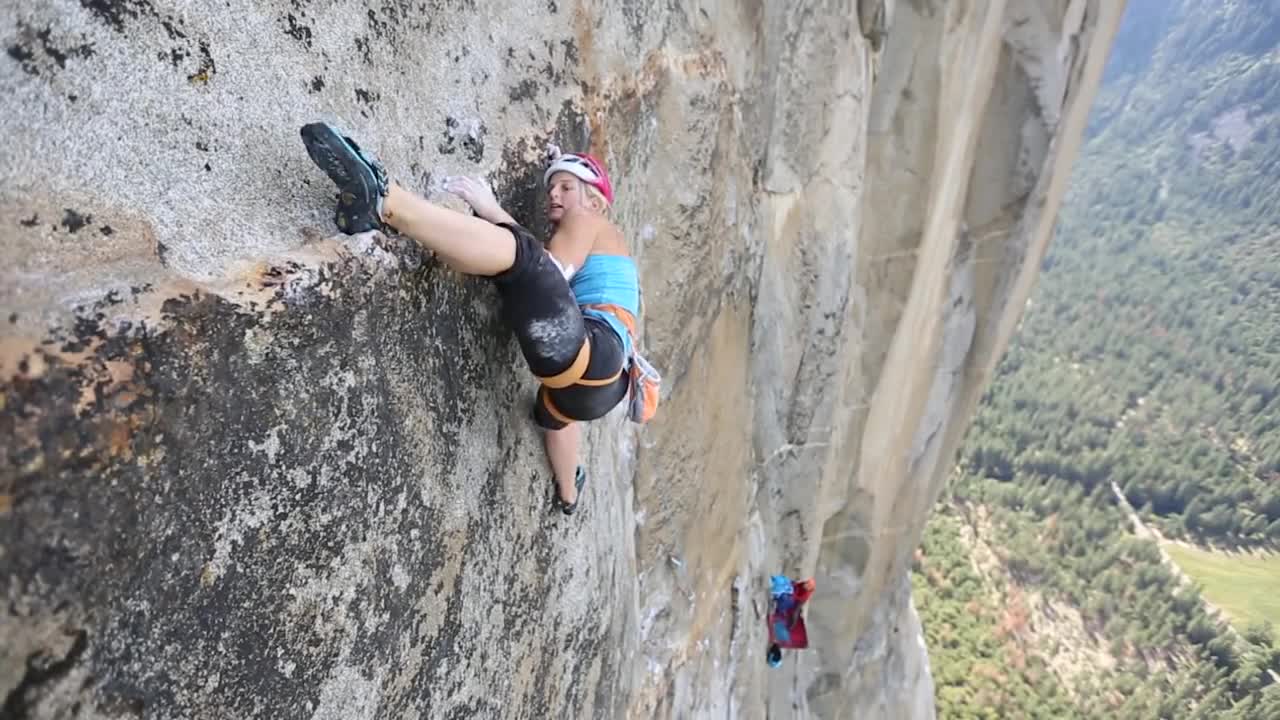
{"points": [[1154, 341], [1150, 358]]}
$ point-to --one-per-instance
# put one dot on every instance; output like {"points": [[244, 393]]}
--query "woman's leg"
{"points": [[562, 452], [537, 302], [366, 200], [599, 390], [468, 244]]}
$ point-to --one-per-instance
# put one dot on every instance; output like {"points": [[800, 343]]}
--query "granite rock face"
{"points": [[251, 469]]}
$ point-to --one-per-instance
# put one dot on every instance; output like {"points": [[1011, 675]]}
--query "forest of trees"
{"points": [[1149, 359], [1153, 340], [1173, 660]]}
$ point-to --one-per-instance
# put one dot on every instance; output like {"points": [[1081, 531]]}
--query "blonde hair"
{"points": [[593, 193]]}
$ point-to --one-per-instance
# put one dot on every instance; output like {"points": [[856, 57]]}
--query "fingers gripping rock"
{"points": [[476, 192]]}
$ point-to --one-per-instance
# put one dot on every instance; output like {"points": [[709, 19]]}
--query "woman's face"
{"points": [[565, 194]]}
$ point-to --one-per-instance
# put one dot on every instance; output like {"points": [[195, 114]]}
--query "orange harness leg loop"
{"points": [[574, 372], [629, 321], [589, 382], [554, 411]]}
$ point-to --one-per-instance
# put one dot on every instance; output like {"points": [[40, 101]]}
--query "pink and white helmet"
{"points": [[585, 168]]}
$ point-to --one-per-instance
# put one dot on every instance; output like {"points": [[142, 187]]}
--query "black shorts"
{"points": [[541, 310], [539, 307], [602, 386]]}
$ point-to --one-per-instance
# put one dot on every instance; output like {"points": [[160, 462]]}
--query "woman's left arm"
{"points": [[480, 197]]}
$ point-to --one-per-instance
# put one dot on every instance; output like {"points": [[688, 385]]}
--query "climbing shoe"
{"points": [[774, 657], [361, 179], [579, 480]]}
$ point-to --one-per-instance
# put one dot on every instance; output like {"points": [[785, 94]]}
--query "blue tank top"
{"points": [[609, 280]]}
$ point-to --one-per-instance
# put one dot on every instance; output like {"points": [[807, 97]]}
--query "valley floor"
{"points": [[1244, 586]]}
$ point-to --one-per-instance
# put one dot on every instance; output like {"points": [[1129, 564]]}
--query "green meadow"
{"points": [[1245, 587]]}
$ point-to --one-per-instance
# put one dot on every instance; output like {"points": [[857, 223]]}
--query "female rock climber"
{"points": [[572, 305]]}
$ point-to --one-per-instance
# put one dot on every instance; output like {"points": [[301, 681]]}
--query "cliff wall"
{"points": [[251, 469]]}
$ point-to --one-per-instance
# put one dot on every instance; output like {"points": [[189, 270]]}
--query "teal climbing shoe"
{"points": [[579, 480], [361, 179]]}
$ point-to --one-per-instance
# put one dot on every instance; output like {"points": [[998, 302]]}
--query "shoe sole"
{"points": [[356, 181]]}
